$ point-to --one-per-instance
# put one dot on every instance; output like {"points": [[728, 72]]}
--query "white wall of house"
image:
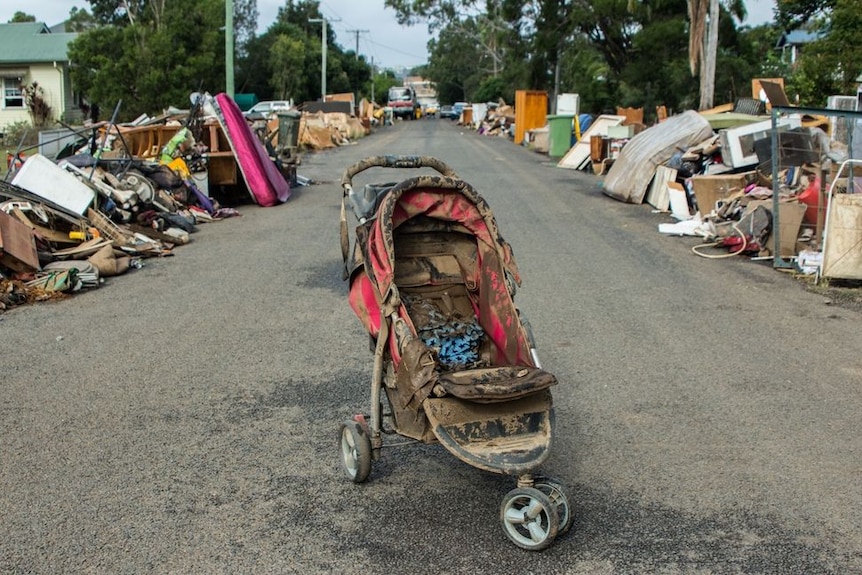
{"points": [[55, 88]]}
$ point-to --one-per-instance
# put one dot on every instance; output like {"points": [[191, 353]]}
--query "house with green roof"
{"points": [[31, 52]]}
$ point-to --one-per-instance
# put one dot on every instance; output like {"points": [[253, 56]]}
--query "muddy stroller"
{"points": [[432, 281]]}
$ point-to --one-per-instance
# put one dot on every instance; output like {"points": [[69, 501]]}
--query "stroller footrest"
{"points": [[494, 384], [506, 437]]}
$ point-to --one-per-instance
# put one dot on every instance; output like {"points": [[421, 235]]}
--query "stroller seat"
{"points": [[437, 273]]}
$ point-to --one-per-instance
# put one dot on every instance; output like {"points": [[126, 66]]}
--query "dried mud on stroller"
{"points": [[433, 282]]}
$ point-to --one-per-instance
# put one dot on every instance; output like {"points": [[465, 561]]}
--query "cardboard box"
{"points": [[17, 245], [709, 189], [790, 216]]}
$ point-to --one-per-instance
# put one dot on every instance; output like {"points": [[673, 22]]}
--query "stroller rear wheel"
{"points": [[355, 447], [529, 518]]}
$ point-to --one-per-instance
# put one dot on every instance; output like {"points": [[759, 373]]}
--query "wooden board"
{"points": [[17, 245], [657, 196], [531, 109], [842, 247], [578, 157]]}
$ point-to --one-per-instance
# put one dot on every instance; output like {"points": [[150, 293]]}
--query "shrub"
{"points": [[40, 111], [14, 132]]}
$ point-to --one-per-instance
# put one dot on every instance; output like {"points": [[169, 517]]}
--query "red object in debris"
{"points": [[739, 244], [13, 161], [811, 197]]}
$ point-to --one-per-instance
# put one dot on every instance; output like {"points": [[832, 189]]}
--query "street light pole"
{"points": [[323, 57]]}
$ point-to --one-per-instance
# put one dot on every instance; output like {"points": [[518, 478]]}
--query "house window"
{"points": [[13, 96]]}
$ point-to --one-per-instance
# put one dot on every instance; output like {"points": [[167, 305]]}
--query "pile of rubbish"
{"points": [[726, 187], [110, 195], [723, 175], [101, 209], [497, 121], [66, 227]]}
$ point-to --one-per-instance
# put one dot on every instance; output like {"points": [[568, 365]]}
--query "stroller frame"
{"points": [[430, 273]]}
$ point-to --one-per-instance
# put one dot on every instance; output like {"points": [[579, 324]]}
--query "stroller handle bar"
{"points": [[392, 161]]}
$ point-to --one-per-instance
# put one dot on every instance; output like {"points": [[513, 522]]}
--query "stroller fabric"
{"points": [[373, 289]]}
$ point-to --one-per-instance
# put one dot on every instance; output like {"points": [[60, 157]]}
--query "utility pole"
{"points": [[357, 33], [228, 47], [323, 38]]}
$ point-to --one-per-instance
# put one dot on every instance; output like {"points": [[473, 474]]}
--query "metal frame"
{"points": [[778, 261]]}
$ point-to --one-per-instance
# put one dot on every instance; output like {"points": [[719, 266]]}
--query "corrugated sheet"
{"points": [[27, 42]]}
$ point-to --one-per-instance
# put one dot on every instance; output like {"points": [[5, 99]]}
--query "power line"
{"points": [[397, 50]]}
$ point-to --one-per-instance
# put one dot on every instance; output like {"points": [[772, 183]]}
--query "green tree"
{"points": [[153, 59], [831, 64], [19, 16], [245, 16], [792, 14], [80, 20], [453, 64], [611, 52], [643, 82], [127, 12], [493, 89], [585, 72], [344, 72], [286, 58]]}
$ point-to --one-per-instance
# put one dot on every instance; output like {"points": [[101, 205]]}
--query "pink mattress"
{"points": [[265, 183]]}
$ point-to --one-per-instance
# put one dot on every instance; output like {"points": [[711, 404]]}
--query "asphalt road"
{"points": [[182, 418]]}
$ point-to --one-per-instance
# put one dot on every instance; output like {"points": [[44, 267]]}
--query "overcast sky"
{"points": [[380, 36]]}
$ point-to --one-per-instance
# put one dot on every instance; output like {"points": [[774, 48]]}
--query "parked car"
{"points": [[448, 112], [430, 108], [268, 108]]}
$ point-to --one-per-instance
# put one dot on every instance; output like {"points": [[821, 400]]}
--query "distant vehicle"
{"points": [[430, 106], [403, 102], [268, 108], [448, 112], [459, 108]]}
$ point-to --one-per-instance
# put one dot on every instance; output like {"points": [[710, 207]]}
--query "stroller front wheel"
{"points": [[558, 495], [355, 447], [529, 518]]}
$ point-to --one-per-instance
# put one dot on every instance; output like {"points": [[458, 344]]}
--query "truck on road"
{"points": [[402, 100]]}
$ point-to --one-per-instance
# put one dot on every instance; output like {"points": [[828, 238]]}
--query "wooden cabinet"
{"points": [[146, 142]]}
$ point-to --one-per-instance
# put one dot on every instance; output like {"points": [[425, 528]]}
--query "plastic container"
{"points": [[561, 128]]}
